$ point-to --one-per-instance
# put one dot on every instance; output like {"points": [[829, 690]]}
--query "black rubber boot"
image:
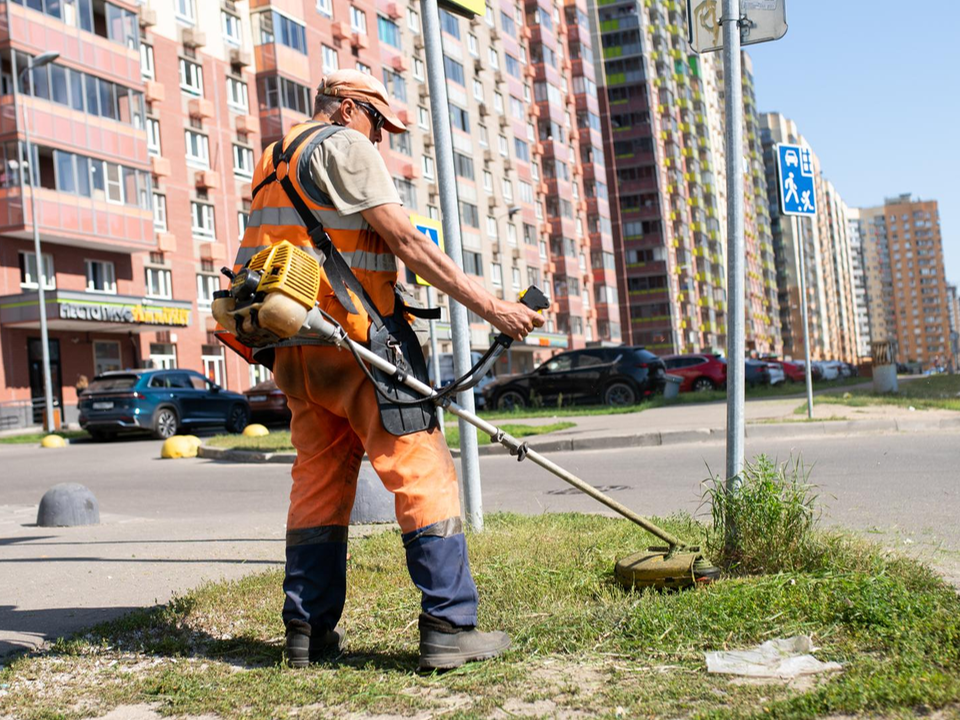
{"points": [[444, 646], [302, 649]]}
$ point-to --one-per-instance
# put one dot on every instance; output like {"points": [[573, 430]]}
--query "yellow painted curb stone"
{"points": [[53, 441], [255, 430], [179, 446]]}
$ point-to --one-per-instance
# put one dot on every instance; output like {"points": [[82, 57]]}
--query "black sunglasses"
{"points": [[378, 119]]}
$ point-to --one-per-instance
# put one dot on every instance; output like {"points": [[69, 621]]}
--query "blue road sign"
{"points": [[798, 192]]}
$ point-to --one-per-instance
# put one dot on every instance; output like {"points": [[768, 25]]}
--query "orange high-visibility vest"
{"points": [[274, 217]]}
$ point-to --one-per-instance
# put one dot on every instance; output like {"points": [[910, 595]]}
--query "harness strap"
{"points": [[422, 312]]}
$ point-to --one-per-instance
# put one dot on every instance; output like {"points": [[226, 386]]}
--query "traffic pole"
{"points": [[736, 345], [450, 213], [808, 371], [435, 352]]}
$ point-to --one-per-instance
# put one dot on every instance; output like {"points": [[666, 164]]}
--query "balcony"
{"points": [[274, 58]]}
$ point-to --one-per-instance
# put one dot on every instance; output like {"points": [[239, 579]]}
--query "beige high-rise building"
{"points": [[858, 279], [906, 280]]}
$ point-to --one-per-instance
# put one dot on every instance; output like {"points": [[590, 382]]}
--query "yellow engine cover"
{"points": [[287, 269]]}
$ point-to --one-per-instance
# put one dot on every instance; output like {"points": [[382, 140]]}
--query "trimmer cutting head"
{"points": [[661, 567]]}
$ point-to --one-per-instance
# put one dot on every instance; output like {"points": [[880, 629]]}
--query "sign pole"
{"points": [[450, 211], [736, 344], [808, 371]]}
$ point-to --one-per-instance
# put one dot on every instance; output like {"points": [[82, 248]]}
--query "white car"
{"points": [[830, 369], [790, 158], [777, 375]]}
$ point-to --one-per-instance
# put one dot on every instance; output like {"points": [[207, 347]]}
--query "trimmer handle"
{"points": [[534, 299]]}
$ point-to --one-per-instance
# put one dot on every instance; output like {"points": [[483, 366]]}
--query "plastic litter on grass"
{"points": [[783, 658]]}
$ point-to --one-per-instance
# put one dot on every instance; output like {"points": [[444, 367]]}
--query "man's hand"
{"points": [[516, 319]]}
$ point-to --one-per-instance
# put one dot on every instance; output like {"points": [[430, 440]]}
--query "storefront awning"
{"points": [[85, 312]]}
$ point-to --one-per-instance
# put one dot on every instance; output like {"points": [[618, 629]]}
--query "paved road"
{"points": [[168, 526]]}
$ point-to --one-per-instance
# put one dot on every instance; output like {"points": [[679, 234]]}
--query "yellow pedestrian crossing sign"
{"points": [[433, 230]]}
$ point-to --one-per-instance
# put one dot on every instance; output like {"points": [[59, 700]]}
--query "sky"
{"points": [[874, 88]]}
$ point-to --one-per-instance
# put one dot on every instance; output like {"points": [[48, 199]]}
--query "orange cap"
{"points": [[358, 85]]}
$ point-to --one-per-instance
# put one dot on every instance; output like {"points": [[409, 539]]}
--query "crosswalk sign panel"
{"points": [[433, 230], [797, 180]]}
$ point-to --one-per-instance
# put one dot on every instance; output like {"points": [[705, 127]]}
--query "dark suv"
{"points": [[158, 401], [612, 376]]}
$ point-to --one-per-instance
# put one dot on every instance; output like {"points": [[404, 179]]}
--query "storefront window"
{"points": [[106, 356], [213, 368], [163, 356]]}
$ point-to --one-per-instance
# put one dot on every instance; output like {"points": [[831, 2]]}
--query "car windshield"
{"points": [[111, 383]]}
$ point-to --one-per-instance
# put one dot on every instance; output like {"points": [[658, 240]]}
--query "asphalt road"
{"points": [[167, 526]]}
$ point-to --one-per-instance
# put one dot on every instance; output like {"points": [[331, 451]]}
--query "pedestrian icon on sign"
{"points": [[795, 171]]}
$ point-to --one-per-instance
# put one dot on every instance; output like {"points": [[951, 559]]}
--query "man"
{"points": [[338, 175]]}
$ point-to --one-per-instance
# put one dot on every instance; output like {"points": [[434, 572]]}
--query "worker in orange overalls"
{"points": [[327, 173]]}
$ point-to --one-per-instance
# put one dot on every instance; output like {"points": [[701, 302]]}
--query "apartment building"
{"points": [[953, 314], [858, 279], [827, 256], [907, 288]]}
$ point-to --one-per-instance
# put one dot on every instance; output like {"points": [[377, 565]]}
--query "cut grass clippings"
{"points": [[582, 646], [933, 392], [279, 441], [35, 438]]}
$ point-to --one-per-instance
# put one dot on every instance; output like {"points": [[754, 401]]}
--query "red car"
{"points": [[793, 371], [267, 402], [699, 371]]}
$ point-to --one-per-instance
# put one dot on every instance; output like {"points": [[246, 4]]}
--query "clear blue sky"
{"points": [[874, 88]]}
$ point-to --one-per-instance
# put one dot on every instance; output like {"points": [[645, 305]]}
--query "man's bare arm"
{"points": [[432, 264]]}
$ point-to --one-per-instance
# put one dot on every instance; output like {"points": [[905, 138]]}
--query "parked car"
{"points": [[816, 370], [612, 376], [162, 402], [447, 376], [700, 371], [268, 404], [829, 370], [756, 372], [777, 375], [793, 372]]}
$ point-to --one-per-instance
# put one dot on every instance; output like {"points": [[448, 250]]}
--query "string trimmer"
{"points": [[277, 289]]}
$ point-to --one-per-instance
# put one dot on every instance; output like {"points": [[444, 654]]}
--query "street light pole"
{"points": [[32, 64]]}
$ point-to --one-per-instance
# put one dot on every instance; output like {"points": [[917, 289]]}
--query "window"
{"points": [[191, 77], [163, 356], [364, 68], [427, 167], [237, 94], [492, 226], [407, 191], [185, 11], [114, 186], [198, 148], [146, 61], [413, 21], [504, 148], [522, 150], [28, 271], [280, 92], [496, 274], [459, 118], [469, 214], [423, 117], [526, 192], [388, 32], [478, 90], [160, 212], [204, 225], [400, 142], [358, 20], [498, 102], [231, 28], [242, 161], [153, 136], [243, 219], [513, 66], [325, 7], [463, 166], [452, 69], [472, 45], [484, 141], [507, 190], [106, 356], [449, 24], [494, 58], [281, 29], [101, 277], [506, 22], [159, 282], [473, 263], [331, 61], [488, 181], [512, 234], [418, 69], [207, 285], [395, 84], [516, 278]]}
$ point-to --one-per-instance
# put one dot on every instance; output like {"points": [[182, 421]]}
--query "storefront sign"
{"points": [[131, 314]]}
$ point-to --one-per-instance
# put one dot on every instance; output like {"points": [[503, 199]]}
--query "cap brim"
{"points": [[392, 123]]}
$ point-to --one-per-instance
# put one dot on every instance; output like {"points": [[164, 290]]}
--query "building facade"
{"points": [[858, 278], [148, 126], [907, 288]]}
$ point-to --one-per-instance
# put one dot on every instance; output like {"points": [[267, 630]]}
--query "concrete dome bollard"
{"points": [[53, 441], [374, 503], [179, 446], [255, 430], [67, 505]]}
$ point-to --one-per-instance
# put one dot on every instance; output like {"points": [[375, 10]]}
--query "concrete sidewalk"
{"points": [[688, 423]]}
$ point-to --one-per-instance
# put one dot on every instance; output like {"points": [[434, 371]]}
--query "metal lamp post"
{"points": [[32, 64]]}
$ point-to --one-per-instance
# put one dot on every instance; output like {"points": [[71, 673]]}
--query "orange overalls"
{"points": [[335, 415]]}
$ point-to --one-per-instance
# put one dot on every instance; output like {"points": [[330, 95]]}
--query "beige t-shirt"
{"points": [[348, 168]]}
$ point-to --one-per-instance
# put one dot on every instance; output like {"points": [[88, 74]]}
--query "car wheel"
{"points": [[239, 418], [702, 384], [619, 394], [510, 400], [165, 423]]}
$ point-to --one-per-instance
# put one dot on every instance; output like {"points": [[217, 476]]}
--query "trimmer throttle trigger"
{"points": [[534, 299]]}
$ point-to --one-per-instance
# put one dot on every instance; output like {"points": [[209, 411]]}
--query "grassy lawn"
{"points": [[35, 438], [279, 440], [937, 392], [583, 646]]}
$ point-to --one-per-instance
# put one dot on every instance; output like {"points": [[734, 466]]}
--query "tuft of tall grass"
{"points": [[769, 524]]}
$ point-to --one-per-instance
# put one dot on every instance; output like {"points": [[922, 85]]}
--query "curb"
{"points": [[651, 439]]}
